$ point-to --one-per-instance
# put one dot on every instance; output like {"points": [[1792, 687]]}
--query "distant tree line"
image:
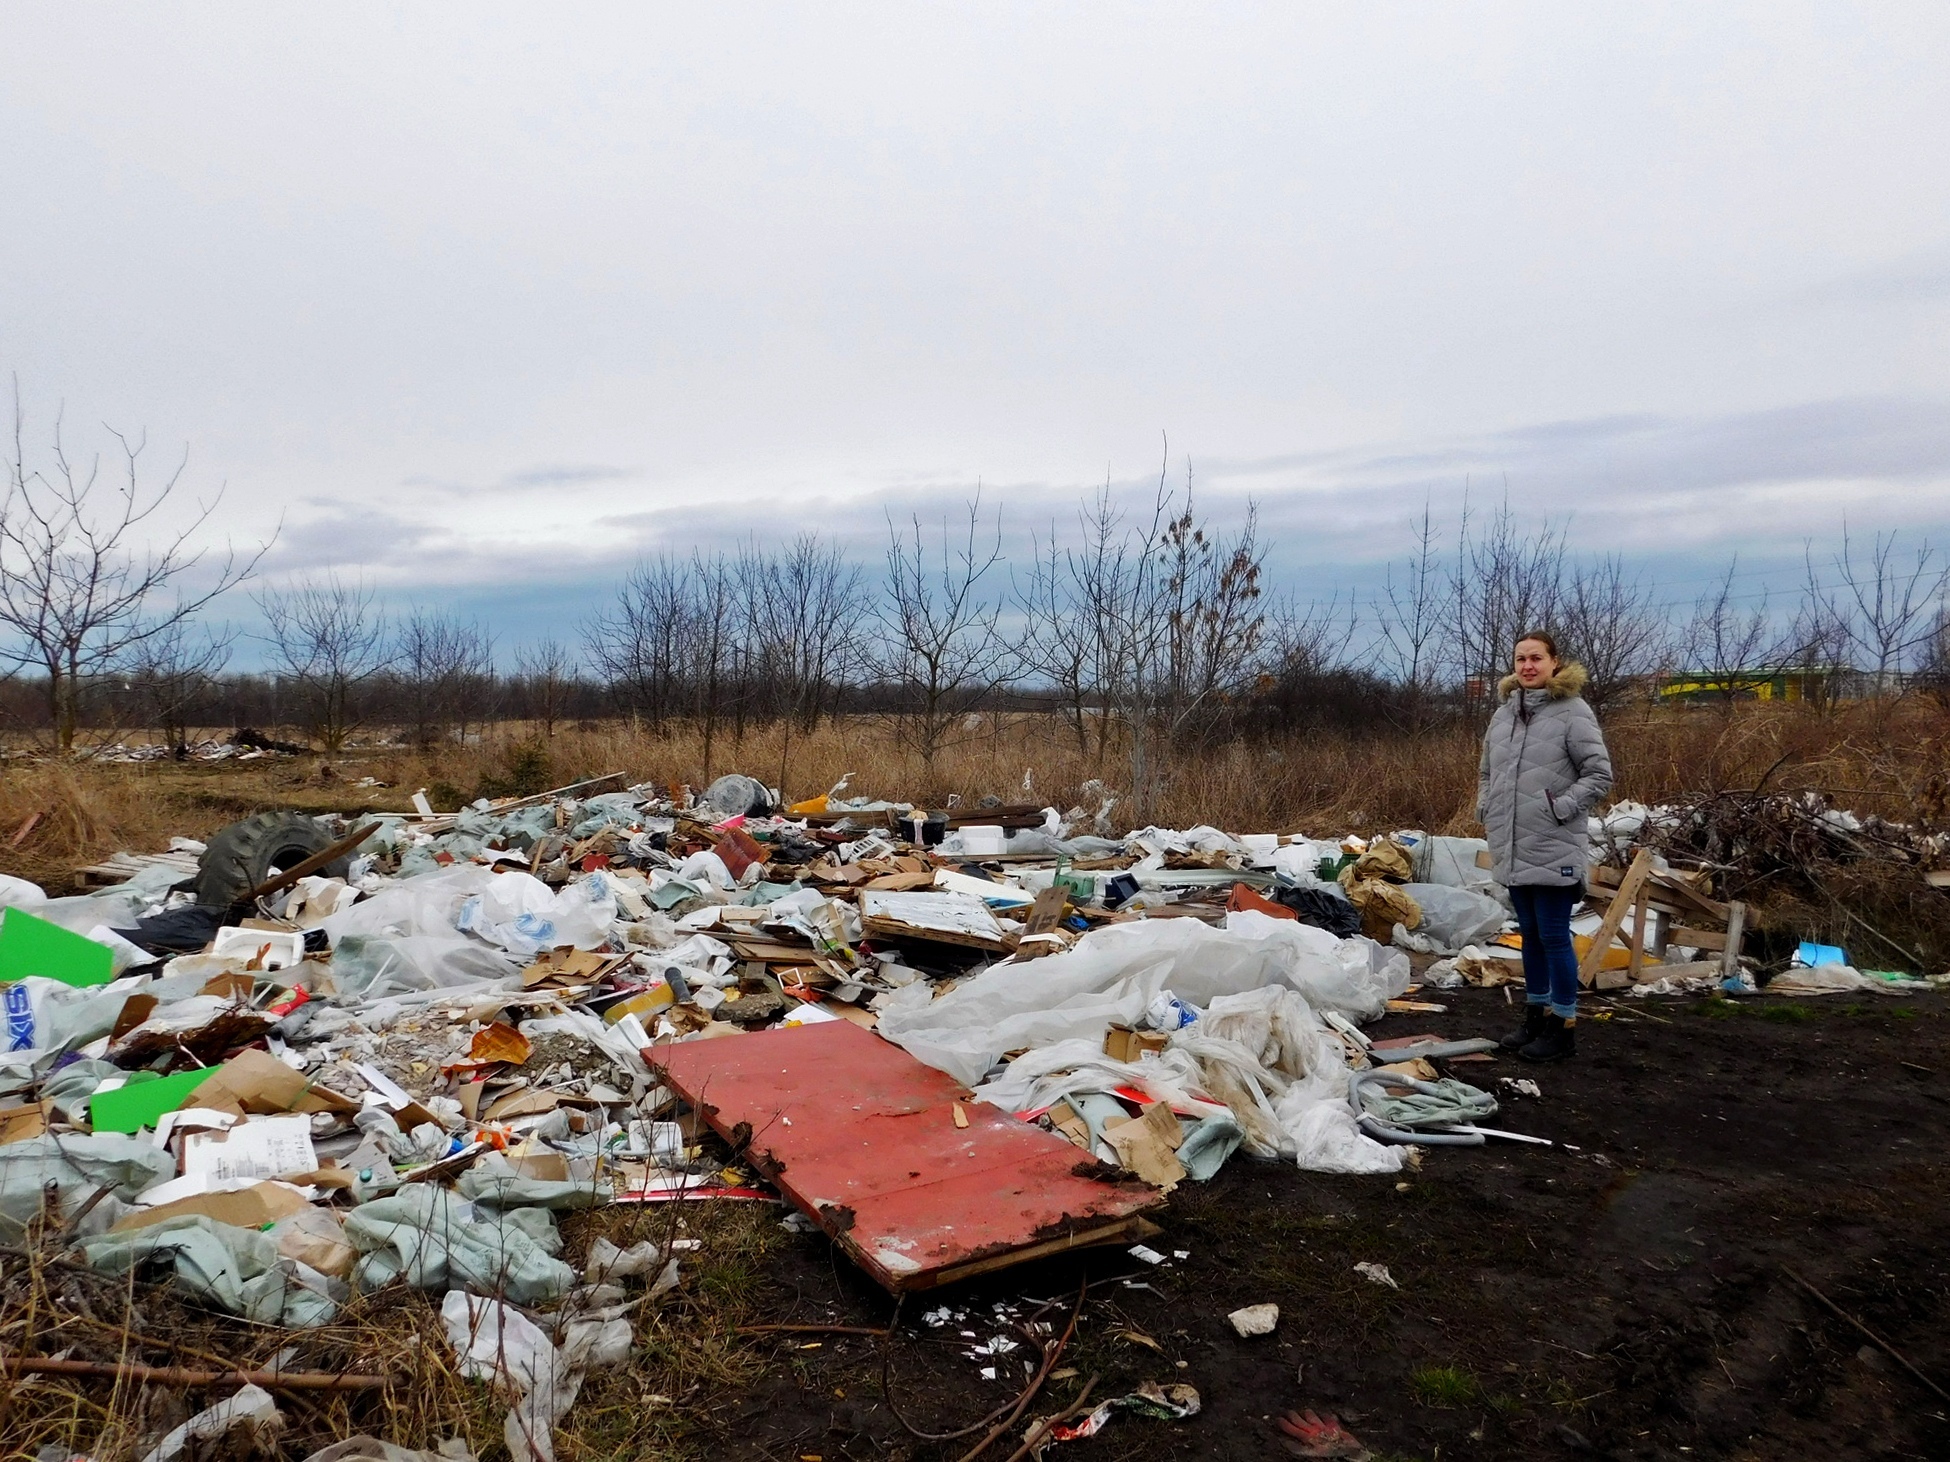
{"points": [[1145, 630]]}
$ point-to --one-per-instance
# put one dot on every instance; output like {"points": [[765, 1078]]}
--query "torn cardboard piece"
{"points": [[1147, 1145]]}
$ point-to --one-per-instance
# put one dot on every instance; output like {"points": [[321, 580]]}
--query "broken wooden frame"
{"points": [[1642, 889]]}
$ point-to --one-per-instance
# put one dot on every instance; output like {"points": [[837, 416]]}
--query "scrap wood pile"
{"points": [[335, 1062], [1744, 838], [1801, 870]]}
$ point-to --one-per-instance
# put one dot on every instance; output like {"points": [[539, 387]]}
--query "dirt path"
{"points": [[1619, 1295]]}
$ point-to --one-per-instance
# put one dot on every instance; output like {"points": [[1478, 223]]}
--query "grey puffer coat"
{"points": [[1544, 766]]}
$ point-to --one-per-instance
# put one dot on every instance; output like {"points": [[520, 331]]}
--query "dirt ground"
{"points": [[1621, 1294]]}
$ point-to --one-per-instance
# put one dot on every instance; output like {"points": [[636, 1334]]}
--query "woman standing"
{"points": [[1544, 765]]}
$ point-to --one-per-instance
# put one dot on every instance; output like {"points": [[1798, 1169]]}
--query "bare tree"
{"points": [[1056, 644], [1210, 600], [328, 638], [941, 649], [1613, 625], [1411, 624], [807, 607], [1885, 605], [1507, 580], [78, 596], [642, 643], [174, 670], [1176, 611], [1932, 674], [717, 643], [443, 664], [1730, 651], [547, 673]]}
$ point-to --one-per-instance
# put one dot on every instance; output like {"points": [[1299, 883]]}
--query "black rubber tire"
{"points": [[239, 858]]}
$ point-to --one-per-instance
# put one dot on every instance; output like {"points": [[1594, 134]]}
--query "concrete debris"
{"points": [[1254, 1320]]}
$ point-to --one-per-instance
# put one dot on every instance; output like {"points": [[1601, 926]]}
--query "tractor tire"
{"points": [[239, 858]]}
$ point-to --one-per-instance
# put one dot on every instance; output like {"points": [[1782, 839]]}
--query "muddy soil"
{"points": [[1624, 1293]]}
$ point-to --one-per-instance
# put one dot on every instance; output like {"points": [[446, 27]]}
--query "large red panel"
{"points": [[862, 1137]]}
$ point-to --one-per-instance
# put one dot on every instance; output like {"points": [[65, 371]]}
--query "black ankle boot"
{"points": [[1558, 1041], [1532, 1027]]}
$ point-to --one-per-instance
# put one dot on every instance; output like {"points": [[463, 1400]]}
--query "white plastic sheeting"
{"points": [[1260, 1048], [1113, 974]]}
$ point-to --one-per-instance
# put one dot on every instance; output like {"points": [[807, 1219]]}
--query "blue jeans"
{"points": [[1550, 960]]}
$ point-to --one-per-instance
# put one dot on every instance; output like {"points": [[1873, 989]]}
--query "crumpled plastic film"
{"points": [[525, 916], [1453, 917], [1113, 974], [236, 1269], [251, 1410], [77, 1166], [494, 1340], [1443, 1102], [1328, 1141], [434, 1240], [499, 1186], [374, 967]]}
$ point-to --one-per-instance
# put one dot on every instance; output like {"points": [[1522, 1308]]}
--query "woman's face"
{"points": [[1535, 664]]}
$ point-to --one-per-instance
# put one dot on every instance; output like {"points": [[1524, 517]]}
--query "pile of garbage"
{"points": [[349, 1054], [1744, 837]]}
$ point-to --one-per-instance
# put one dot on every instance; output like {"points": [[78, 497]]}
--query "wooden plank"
{"points": [[1736, 927], [1640, 918], [1691, 971], [1696, 938], [312, 864], [1628, 892], [1685, 893]]}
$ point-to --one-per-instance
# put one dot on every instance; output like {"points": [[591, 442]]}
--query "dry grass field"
{"points": [[1869, 758], [1888, 761]]}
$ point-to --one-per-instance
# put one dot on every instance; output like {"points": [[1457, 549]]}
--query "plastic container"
{"points": [[982, 840], [1262, 846]]}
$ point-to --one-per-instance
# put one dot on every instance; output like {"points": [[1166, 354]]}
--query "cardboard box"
{"points": [[1121, 1043]]}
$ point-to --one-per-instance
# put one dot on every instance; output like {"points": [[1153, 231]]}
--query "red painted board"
{"points": [[862, 1136]]}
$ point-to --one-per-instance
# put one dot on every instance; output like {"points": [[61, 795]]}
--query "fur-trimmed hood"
{"points": [[1567, 682]]}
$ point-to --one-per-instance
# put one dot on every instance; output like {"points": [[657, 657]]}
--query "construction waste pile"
{"points": [[310, 1059]]}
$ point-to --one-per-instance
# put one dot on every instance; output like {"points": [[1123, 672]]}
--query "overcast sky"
{"points": [[483, 301]]}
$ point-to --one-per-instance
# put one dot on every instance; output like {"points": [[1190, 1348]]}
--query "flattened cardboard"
{"points": [[17, 1124], [524, 1103], [569, 966], [1148, 1145], [256, 1081], [251, 1207]]}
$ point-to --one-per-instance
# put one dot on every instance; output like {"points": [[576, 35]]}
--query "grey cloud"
{"points": [[1916, 280], [564, 475], [343, 538]]}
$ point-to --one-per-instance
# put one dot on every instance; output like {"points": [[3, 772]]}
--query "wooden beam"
{"points": [[1696, 938], [311, 865], [1628, 892], [1736, 927], [1640, 918]]}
